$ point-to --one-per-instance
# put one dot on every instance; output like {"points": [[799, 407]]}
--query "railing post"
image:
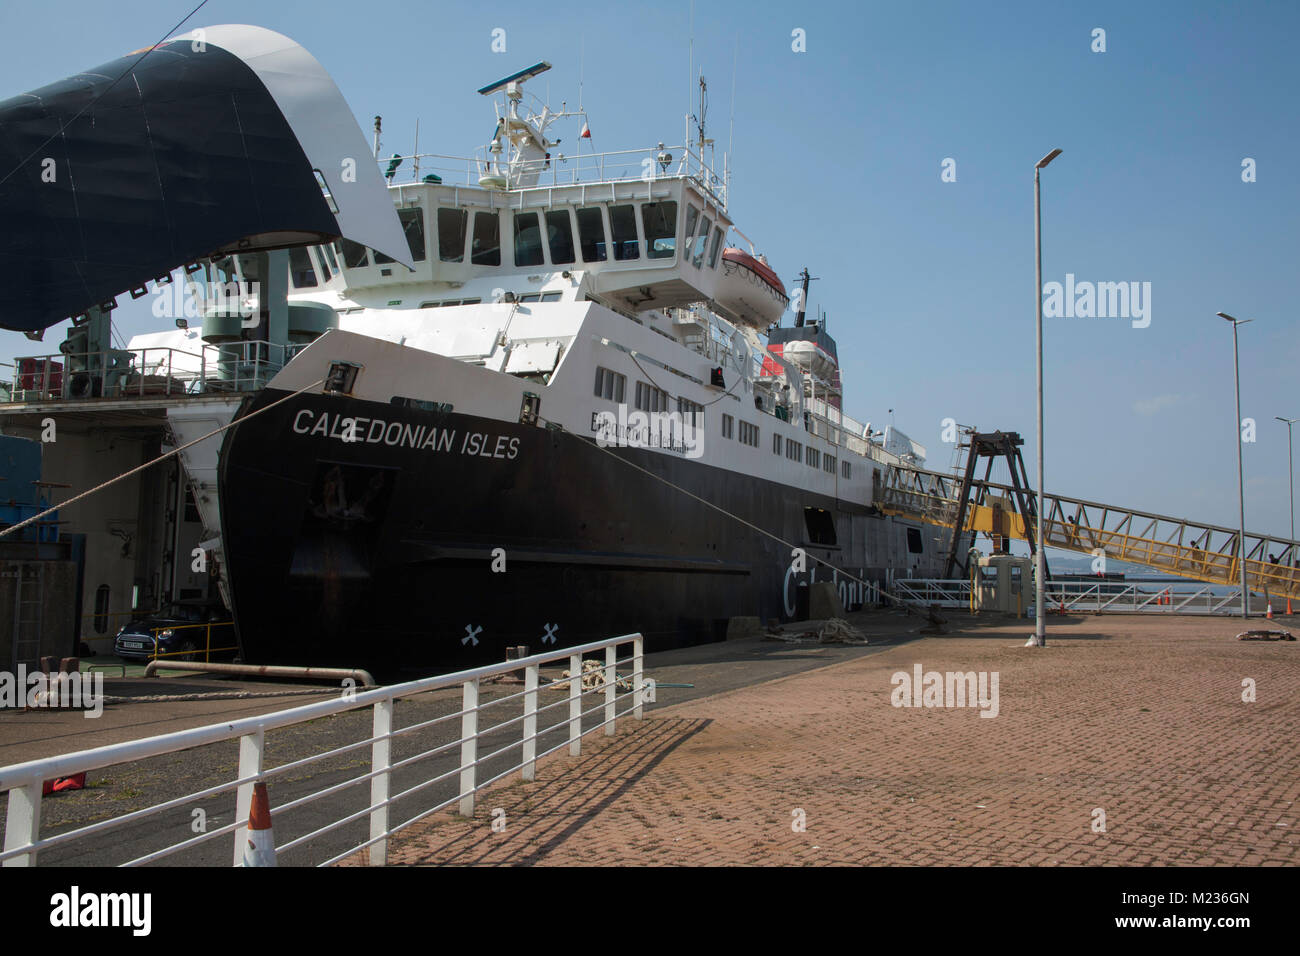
{"points": [[23, 824], [575, 704], [611, 688], [529, 769], [380, 754], [250, 764], [638, 676], [468, 747]]}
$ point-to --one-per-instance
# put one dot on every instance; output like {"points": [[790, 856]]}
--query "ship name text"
{"points": [[374, 431]]}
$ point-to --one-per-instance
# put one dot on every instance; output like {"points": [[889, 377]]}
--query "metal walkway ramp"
{"points": [[1177, 546]]}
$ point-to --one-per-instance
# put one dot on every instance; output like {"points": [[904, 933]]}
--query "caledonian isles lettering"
{"points": [[374, 431]]}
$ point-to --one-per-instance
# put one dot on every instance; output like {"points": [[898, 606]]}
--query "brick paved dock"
{"points": [[1140, 719]]}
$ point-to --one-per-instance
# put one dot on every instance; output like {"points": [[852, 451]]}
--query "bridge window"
{"points": [[353, 253], [325, 271], [528, 240], [550, 297], [591, 234], [559, 234], [413, 225], [622, 224], [451, 234], [702, 240], [692, 217], [659, 220], [485, 247], [300, 270], [717, 247], [412, 221]]}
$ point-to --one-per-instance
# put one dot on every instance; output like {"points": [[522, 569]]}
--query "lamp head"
{"points": [[1042, 163]]}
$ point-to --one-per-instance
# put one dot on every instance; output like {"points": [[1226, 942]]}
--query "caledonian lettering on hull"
{"points": [[374, 431]]}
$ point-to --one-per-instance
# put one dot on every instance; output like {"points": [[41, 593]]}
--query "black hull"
{"points": [[381, 555]]}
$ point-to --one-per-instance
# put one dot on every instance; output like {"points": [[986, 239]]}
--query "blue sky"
{"points": [[837, 163]]}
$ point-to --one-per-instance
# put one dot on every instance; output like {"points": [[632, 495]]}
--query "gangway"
{"points": [[1177, 546], [1143, 596]]}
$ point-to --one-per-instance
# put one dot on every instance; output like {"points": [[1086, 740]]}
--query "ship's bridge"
{"points": [[634, 244]]}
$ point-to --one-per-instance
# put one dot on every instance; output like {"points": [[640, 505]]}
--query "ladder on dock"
{"points": [[29, 602], [1190, 549]]}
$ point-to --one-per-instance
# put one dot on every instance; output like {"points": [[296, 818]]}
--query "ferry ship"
{"points": [[562, 423], [554, 397]]}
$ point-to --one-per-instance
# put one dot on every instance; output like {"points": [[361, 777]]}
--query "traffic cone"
{"points": [[1288, 605], [1270, 610], [260, 849]]}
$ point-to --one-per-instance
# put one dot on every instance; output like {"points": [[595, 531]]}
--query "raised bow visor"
{"points": [[227, 139]]}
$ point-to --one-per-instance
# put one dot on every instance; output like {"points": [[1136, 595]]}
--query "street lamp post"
{"points": [[1040, 566], [1290, 470], [1241, 494]]}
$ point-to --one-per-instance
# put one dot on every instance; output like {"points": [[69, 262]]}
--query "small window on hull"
{"points": [[820, 525]]}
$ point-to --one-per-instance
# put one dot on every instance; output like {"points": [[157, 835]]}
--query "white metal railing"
{"points": [[227, 367], [1150, 596], [22, 840], [614, 166], [941, 591]]}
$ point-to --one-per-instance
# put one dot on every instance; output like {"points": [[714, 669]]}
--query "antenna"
{"points": [[803, 299], [731, 134], [378, 124], [535, 70], [582, 49], [690, 75]]}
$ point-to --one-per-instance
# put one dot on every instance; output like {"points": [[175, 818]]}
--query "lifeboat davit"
{"points": [[749, 291]]}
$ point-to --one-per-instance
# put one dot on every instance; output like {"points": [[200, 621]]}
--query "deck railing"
{"points": [[614, 166], [141, 373]]}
